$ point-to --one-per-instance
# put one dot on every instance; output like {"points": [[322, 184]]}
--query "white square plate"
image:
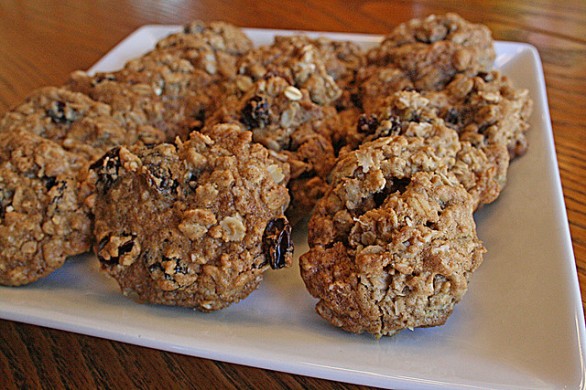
{"points": [[521, 324]]}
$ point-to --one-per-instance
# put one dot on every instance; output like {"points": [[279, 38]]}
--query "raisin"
{"points": [[400, 185], [57, 113], [356, 99], [486, 76], [431, 225], [60, 189], [159, 178], [379, 198], [368, 124], [307, 174], [107, 168], [126, 247], [395, 126], [338, 144], [482, 128], [458, 118], [49, 182], [277, 244], [256, 113], [393, 186], [157, 267], [452, 116], [196, 120]]}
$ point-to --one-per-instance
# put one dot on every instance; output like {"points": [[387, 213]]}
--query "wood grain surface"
{"points": [[42, 42]]}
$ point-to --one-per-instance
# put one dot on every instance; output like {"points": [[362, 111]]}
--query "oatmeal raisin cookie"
{"points": [[480, 164], [381, 261], [283, 118], [211, 47], [139, 104], [43, 219], [76, 122], [174, 86], [307, 63], [195, 223], [431, 51], [486, 109]]}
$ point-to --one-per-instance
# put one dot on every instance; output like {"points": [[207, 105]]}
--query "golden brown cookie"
{"points": [[390, 253], [432, 50], [283, 118], [76, 122], [43, 219], [486, 109]]}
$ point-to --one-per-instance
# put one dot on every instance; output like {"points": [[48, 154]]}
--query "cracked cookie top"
{"points": [[403, 260]]}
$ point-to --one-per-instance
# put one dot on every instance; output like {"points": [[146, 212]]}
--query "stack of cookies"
{"points": [[187, 170]]}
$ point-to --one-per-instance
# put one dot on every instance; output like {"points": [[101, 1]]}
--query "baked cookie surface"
{"points": [[321, 66], [194, 224], [383, 264], [431, 51], [78, 123], [212, 47], [486, 110], [283, 118], [43, 219], [485, 137]]}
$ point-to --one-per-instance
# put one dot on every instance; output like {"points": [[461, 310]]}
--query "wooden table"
{"points": [[42, 41]]}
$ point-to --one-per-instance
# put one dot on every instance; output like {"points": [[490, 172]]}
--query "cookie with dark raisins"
{"points": [[78, 123], [481, 160], [43, 217], [194, 223], [284, 119], [390, 251], [486, 109], [432, 50], [174, 86]]}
